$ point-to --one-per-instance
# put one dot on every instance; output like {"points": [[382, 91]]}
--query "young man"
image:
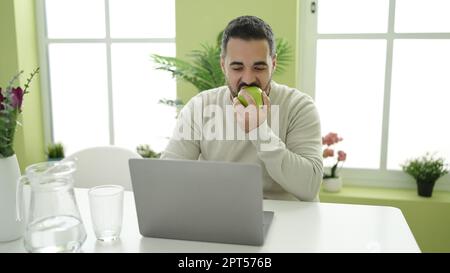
{"points": [[283, 136]]}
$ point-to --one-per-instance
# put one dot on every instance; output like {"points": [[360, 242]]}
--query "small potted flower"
{"points": [[55, 152], [425, 170], [145, 151], [331, 181]]}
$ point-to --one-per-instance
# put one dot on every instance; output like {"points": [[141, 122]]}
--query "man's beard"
{"points": [[234, 93]]}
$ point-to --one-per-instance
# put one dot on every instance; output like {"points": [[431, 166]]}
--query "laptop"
{"points": [[200, 200]]}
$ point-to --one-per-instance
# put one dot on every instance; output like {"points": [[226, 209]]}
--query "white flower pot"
{"points": [[10, 228], [332, 184]]}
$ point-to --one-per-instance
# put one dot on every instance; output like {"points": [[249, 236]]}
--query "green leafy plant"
{"points": [[11, 100], [55, 151], [204, 72], [145, 151], [426, 168]]}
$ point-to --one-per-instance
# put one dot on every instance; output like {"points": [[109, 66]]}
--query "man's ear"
{"points": [[274, 62], [222, 64]]}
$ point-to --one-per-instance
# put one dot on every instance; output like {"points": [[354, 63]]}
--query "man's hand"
{"points": [[252, 116]]}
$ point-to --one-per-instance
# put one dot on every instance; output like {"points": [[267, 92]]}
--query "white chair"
{"points": [[102, 165]]}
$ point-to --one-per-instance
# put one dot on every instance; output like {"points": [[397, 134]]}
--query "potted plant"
{"points": [[55, 152], [145, 151], [425, 170], [11, 102], [331, 181], [205, 72]]}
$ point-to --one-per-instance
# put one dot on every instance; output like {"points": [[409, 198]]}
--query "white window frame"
{"points": [[306, 66], [43, 45]]}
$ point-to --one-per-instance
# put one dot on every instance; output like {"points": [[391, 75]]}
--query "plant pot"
{"points": [[10, 229], [425, 188], [333, 184]]}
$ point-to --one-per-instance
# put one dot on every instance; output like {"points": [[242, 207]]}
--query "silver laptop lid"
{"points": [[199, 200]]}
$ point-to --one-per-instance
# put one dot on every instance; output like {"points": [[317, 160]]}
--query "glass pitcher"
{"points": [[54, 223]]}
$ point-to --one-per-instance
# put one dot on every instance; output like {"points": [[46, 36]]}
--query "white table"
{"points": [[296, 227]]}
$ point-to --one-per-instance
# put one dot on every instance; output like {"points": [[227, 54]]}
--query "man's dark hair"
{"points": [[248, 28]]}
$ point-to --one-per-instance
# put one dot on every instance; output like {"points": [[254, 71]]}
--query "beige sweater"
{"points": [[288, 146]]}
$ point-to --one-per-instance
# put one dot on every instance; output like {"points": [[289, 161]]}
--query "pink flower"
{"points": [[17, 98], [1, 100], [11, 100], [330, 139], [328, 152]]}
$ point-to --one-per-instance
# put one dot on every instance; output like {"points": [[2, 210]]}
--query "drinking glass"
{"points": [[106, 205]]}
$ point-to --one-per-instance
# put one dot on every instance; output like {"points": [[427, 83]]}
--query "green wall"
{"points": [[18, 51], [200, 21], [8, 45]]}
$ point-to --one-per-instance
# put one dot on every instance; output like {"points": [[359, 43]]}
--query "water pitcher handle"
{"points": [[19, 196]]}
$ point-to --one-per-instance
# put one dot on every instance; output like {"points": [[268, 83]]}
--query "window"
{"points": [[380, 79], [96, 66]]}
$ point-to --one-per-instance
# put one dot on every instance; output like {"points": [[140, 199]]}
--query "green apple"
{"points": [[255, 92]]}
